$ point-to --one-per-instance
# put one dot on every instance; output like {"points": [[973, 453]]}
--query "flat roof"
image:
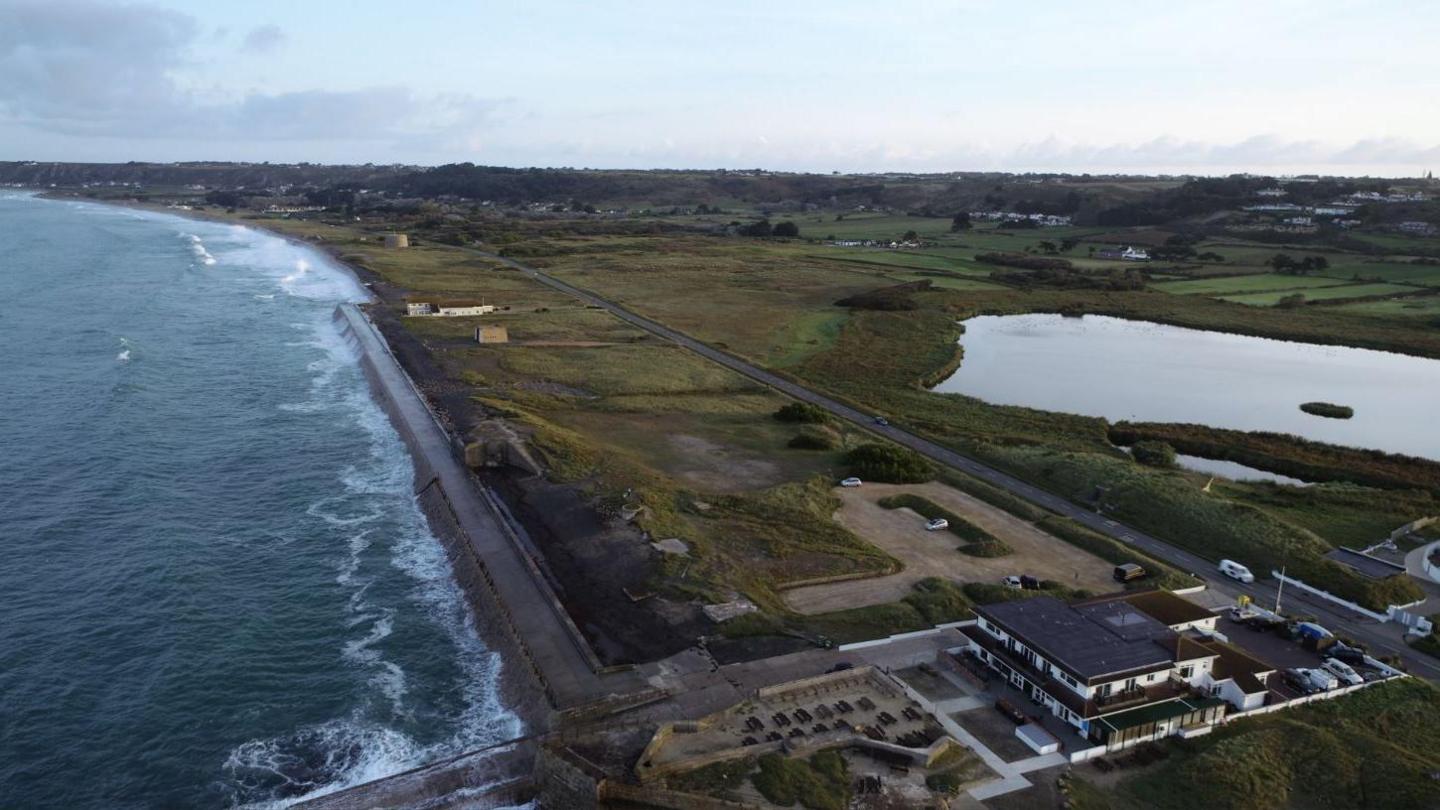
{"points": [[1364, 564], [1155, 712], [1108, 638], [1164, 606]]}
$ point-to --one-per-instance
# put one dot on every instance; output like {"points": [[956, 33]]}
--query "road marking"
{"points": [[1111, 523]]}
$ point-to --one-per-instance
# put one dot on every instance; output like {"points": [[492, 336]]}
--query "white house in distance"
{"points": [[1129, 254]]}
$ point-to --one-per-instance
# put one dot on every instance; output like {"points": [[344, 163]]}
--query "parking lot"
{"points": [[1282, 652]]}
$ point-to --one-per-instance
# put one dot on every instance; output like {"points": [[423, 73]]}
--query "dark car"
{"points": [[882, 421], [1349, 655], [841, 667], [1128, 572]]}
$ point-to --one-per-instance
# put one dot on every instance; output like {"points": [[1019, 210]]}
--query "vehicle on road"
{"points": [[882, 421], [841, 667], [1129, 572], [851, 482], [1342, 671], [1235, 570], [936, 524]]}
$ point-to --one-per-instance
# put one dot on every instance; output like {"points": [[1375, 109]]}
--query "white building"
{"points": [[1131, 254], [419, 309], [1121, 669], [463, 311]]}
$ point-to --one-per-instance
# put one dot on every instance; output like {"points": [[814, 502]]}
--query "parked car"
{"points": [[1235, 570], [1321, 679], [1350, 655], [1298, 679], [1029, 583], [841, 667], [1342, 671], [851, 482], [1011, 582], [1311, 630], [936, 524], [1129, 572]]}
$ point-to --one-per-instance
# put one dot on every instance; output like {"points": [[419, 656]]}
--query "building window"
{"points": [[1186, 672]]}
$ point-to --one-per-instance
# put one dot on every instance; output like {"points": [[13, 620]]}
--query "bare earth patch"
{"points": [[901, 532], [720, 468]]}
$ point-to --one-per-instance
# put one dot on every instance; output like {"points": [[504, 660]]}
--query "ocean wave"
{"points": [[197, 246], [124, 355], [317, 760], [374, 511]]}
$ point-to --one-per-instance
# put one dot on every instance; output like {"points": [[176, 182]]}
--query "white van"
{"points": [[1235, 570]]}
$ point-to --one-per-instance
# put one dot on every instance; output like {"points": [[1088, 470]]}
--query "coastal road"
{"points": [[1333, 616]]}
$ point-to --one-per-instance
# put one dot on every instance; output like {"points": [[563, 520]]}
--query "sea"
{"points": [[216, 589]]}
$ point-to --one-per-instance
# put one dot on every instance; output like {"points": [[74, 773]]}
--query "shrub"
{"points": [[938, 600], [786, 781], [1328, 409], [989, 548], [947, 783], [815, 438], [803, 413], [889, 463], [1153, 454], [959, 526]]}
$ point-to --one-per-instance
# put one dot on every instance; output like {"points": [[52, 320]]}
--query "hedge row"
{"points": [[1288, 455], [1162, 575], [1014, 504], [960, 527]]}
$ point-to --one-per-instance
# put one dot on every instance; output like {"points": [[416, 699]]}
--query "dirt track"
{"points": [[902, 533]]}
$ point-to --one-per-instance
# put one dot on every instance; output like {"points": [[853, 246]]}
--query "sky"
{"points": [[1204, 87]]}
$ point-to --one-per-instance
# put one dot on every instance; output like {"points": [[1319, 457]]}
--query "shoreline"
{"points": [[538, 679]]}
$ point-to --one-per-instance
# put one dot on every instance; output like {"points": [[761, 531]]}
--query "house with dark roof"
{"points": [[1121, 669]]}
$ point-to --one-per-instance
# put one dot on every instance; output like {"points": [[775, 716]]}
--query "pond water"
{"points": [[1141, 371]]}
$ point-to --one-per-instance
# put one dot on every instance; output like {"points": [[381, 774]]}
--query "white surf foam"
{"points": [[376, 511], [124, 355]]}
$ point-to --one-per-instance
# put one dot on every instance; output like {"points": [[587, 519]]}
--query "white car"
{"points": [[1342, 671], [1011, 582], [851, 482], [936, 524], [1235, 570]]}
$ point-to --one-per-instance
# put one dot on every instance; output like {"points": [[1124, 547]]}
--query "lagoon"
{"points": [[1141, 371]]}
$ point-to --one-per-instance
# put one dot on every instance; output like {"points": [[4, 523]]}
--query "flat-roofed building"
{"points": [[1109, 668]]}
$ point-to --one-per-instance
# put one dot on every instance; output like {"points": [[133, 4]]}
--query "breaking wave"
{"points": [[374, 509]]}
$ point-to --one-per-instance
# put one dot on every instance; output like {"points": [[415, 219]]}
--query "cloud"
{"points": [[263, 39], [94, 69]]}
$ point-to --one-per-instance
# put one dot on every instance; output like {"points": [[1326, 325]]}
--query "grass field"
{"points": [[1336, 293], [1264, 282], [1373, 749], [630, 413]]}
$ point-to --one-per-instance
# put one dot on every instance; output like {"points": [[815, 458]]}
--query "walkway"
{"points": [[536, 614]]}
